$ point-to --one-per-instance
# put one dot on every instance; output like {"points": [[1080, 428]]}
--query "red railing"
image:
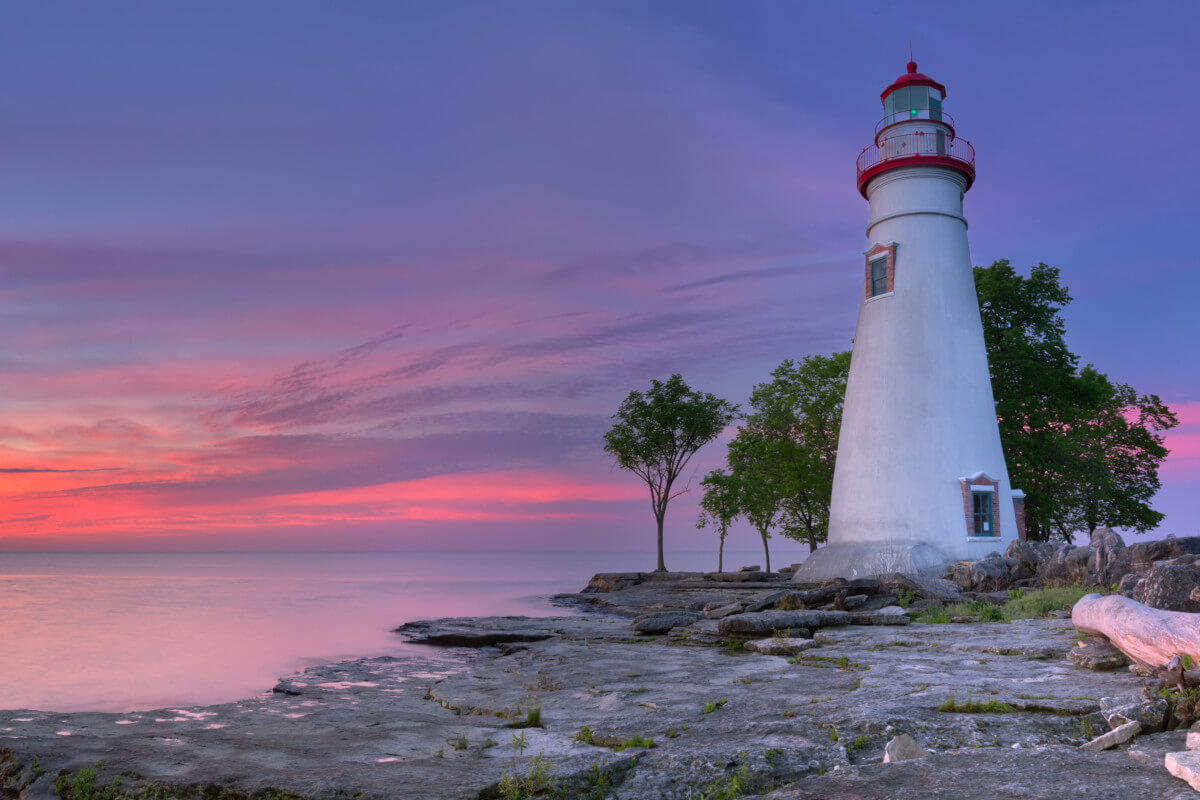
{"points": [[924, 146], [913, 115]]}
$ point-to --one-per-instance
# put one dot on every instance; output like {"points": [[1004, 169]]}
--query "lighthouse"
{"points": [[920, 479]]}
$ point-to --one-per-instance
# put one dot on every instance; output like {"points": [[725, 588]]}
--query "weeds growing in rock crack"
{"points": [[710, 706]]}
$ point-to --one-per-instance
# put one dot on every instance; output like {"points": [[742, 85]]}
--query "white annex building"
{"points": [[920, 479]]}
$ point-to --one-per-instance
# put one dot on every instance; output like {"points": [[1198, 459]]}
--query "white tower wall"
{"points": [[919, 414]]}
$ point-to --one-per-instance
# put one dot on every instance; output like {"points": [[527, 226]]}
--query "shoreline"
{"points": [[647, 716]]}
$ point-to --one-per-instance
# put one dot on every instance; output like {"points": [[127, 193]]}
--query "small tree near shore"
{"points": [[655, 433], [719, 507]]}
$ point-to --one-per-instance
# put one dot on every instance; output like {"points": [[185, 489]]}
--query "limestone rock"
{"points": [[1028, 556], [604, 582], [1169, 587], [723, 611], [1098, 655], [1186, 767], [1129, 584], [1107, 537], [774, 599], [474, 631], [990, 574], [754, 568], [704, 632], [1109, 564], [880, 617], [924, 588], [764, 623], [1067, 566], [663, 621], [1193, 737], [780, 647], [1116, 736], [1144, 554], [1118, 711], [903, 748]]}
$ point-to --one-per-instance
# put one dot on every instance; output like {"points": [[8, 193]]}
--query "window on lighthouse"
{"points": [[983, 517], [879, 276]]}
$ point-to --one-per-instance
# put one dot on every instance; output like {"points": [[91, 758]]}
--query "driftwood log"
{"points": [[1149, 636]]}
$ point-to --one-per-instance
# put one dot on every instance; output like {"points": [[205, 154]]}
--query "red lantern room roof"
{"points": [[912, 78]]}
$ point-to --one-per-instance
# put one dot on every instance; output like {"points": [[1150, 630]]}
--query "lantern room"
{"points": [[914, 130]]}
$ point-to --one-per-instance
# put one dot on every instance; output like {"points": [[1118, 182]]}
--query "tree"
{"points": [[1085, 451], [800, 412], [755, 464], [719, 507], [656, 433], [1119, 446]]}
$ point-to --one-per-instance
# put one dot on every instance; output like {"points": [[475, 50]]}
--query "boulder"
{"points": [[1128, 584], [720, 612], [1169, 587], [780, 647], [1028, 556], [1066, 567], [1185, 766], [754, 568], [1097, 655], [703, 632], [903, 748], [604, 582], [776, 598], [1108, 564], [1106, 537], [764, 623], [1193, 737], [1149, 714], [1116, 736], [989, 574], [661, 622], [1144, 554], [920, 588]]}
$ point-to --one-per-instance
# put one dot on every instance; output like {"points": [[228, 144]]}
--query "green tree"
{"points": [[799, 411], [755, 464], [1085, 451], [719, 507], [1119, 446], [656, 433]]}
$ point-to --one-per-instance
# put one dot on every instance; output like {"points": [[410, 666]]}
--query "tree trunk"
{"points": [[812, 543], [767, 553], [659, 517], [721, 555], [1147, 635]]}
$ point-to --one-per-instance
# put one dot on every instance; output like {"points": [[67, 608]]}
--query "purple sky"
{"points": [[373, 276]]}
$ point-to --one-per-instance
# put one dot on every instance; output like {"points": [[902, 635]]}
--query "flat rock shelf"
{"points": [[1001, 709]]}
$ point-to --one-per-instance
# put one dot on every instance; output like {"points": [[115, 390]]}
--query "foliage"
{"points": [[791, 437], [1039, 603], [585, 735], [1085, 450], [780, 463], [634, 741], [519, 742], [729, 787], [711, 706], [523, 787], [656, 433], [969, 706], [719, 507]]}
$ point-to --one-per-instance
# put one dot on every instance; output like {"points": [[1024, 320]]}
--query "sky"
{"points": [[319, 276]]}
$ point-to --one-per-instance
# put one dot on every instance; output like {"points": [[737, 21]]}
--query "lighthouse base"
{"points": [[872, 559]]}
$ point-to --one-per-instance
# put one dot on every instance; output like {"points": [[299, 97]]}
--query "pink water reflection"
{"points": [[117, 632]]}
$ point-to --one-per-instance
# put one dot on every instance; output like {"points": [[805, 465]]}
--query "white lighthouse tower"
{"points": [[920, 479]]}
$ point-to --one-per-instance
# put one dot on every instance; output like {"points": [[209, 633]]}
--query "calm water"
{"points": [[122, 632]]}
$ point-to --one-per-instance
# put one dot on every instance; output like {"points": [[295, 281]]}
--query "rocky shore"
{"points": [[676, 685]]}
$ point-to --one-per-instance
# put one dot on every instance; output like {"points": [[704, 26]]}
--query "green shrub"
{"points": [[1039, 603]]}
